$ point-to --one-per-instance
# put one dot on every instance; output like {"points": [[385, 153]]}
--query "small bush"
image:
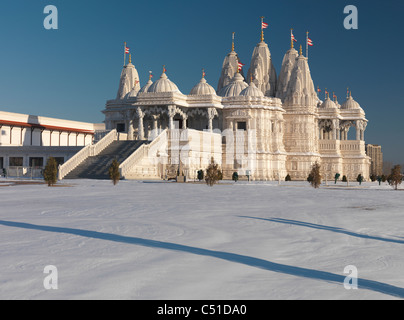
{"points": [[50, 174], [114, 172], [212, 173], [288, 178], [344, 179], [234, 177], [395, 178], [314, 176]]}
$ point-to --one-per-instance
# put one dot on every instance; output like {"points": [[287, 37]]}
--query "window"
{"points": [[15, 161], [36, 162]]}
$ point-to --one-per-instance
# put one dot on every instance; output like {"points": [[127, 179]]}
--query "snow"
{"points": [[161, 240]]}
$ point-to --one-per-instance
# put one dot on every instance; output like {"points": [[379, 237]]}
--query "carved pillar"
{"points": [[155, 131], [364, 124], [171, 114], [334, 129], [184, 121], [211, 114], [358, 126], [140, 114], [130, 129]]}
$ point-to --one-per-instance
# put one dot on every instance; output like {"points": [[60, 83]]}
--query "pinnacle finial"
{"points": [[130, 58], [232, 42], [301, 51], [291, 38]]}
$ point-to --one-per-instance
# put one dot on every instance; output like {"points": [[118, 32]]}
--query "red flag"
{"points": [[309, 42], [126, 50], [264, 25], [318, 89], [240, 65], [293, 37]]}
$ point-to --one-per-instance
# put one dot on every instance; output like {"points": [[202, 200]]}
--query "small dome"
{"points": [[251, 91], [235, 87], [202, 88], [146, 86], [163, 85], [328, 104], [351, 104]]}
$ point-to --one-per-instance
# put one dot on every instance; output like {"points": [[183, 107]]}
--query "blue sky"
{"points": [[69, 73]]}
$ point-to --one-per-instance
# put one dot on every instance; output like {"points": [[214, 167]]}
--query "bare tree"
{"points": [[395, 178], [314, 176]]}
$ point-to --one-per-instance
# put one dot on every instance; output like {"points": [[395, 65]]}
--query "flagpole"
{"points": [[307, 45], [124, 53], [262, 29], [291, 38]]}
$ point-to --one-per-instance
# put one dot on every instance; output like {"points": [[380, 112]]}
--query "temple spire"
{"points": [[232, 42]]}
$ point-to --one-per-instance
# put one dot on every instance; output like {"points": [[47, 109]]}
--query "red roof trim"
{"points": [[44, 126]]}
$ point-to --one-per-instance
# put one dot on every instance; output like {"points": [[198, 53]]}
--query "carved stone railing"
{"points": [[145, 150], [353, 146], [104, 142], [87, 151]]}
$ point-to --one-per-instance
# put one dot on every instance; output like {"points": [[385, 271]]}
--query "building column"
{"points": [[171, 114], [334, 129], [212, 112], [130, 129], [184, 122], [358, 127], [140, 114]]}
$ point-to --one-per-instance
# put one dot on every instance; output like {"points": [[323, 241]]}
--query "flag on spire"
{"points": [[264, 25], [309, 42], [126, 49], [240, 65], [292, 37]]}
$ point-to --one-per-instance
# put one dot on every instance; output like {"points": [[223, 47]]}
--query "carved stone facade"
{"points": [[269, 127]]}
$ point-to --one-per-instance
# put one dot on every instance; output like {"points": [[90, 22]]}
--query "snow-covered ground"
{"points": [[157, 240]]}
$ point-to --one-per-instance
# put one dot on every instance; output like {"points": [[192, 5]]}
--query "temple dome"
{"points": [[351, 104], [146, 86], [252, 91], [163, 85], [235, 87], [202, 88], [328, 104]]}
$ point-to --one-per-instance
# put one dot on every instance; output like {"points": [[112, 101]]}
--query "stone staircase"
{"points": [[96, 167]]}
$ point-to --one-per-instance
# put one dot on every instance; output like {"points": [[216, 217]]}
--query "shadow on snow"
{"points": [[327, 228], [232, 257]]}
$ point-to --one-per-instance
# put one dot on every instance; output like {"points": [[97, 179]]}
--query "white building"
{"points": [[27, 141]]}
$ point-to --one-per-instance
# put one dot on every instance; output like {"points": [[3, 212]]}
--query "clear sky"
{"points": [[69, 73]]}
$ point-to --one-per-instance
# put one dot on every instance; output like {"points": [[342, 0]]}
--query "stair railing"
{"points": [[83, 154], [145, 150]]}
